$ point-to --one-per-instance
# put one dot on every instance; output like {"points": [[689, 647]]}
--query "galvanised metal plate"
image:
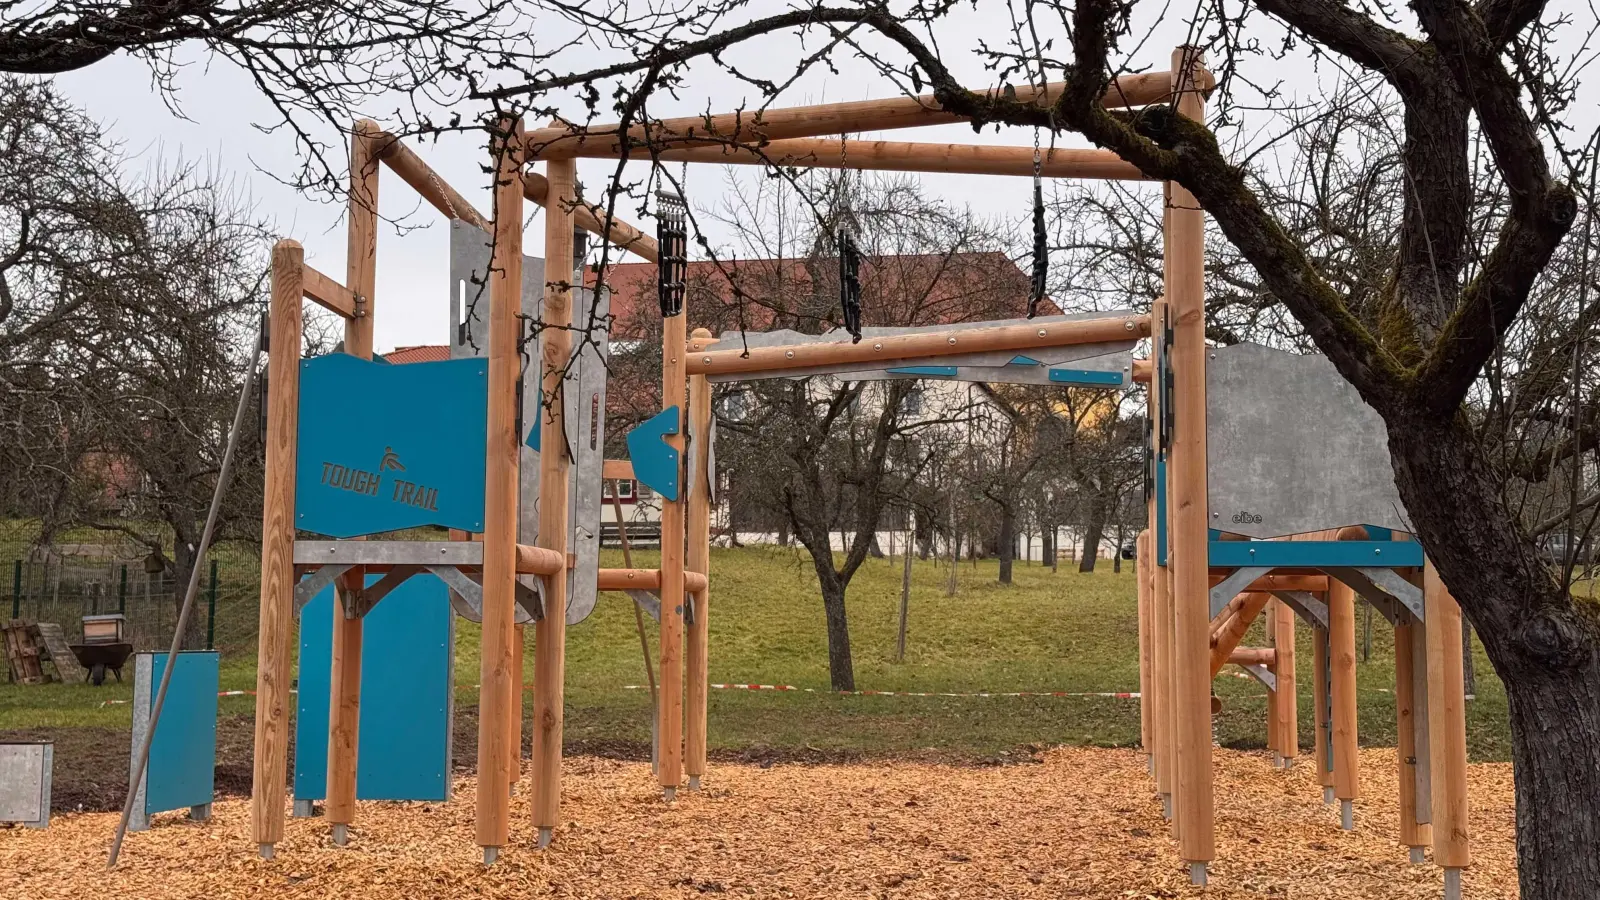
{"points": [[583, 405], [25, 769], [1291, 447], [1106, 371]]}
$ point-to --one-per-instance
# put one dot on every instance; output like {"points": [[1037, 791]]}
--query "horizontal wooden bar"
{"points": [[329, 294], [1143, 371], [539, 560], [646, 580], [617, 469], [1253, 656], [911, 346], [751, 126], [426, 182], [907, 156], [591, 218]]}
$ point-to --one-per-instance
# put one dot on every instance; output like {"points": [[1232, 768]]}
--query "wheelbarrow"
{"points": [[97, 658]]}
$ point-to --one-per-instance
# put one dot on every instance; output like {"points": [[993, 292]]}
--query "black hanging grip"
{"points": [[672, 247], [850, 284], [1041, 252]]}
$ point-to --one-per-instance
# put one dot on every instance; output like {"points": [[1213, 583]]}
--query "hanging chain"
{"points": [[1041, 250]]}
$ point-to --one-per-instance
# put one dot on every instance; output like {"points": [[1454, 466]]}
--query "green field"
{"points": [[1047, 632]]}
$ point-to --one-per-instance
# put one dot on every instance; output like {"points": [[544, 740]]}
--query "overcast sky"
{"points": [[223, 114]]}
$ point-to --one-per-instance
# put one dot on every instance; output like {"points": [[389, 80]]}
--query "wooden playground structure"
{"points": [[525, 561]]}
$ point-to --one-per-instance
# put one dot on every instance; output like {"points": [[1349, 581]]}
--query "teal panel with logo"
{"points": [[384, 447], [403, 738]]}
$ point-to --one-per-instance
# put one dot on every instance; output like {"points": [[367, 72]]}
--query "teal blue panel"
{"points": [[655, 462], [1161, 512], [403, 746], [930, 371], [1315, 554], [384, 447], [1085, 376], [183, 755], [1024, 361]]}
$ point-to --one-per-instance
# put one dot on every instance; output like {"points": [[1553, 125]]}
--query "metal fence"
{"points": [[63, 590]]}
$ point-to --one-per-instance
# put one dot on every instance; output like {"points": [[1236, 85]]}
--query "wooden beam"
{"points": [[426, 182], [538, 560], [1142, 371], [703, 361], [911, 156], [273, 674], [1233, 627], [1342, 688], [646, 580], [1414, 832], [1144, 556], [1283, 666], [669, 711], [697, 560], [1253, 656], [1161, 620], [550, 635], [344, 679], [331, 295], [592, 218], [751, 126], [496, 667], [617, 470], [1185, 292], [1310, 583], [1447, 724]]}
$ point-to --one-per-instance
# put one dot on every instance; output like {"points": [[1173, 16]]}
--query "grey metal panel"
{"points": [[1292, 447], [1225, 590], [466, 596], [306, 589], [471, 250], [586, 433], [1379, 586], [647, 600], [138, 820], [25, 783]]}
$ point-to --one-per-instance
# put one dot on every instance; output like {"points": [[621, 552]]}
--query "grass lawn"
{"points": [[1047, 632]]}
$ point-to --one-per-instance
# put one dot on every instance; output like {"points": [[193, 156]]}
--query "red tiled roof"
{"points": [[418, 353]]}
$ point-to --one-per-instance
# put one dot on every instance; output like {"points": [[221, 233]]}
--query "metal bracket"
{"points": [[421, 553], [1314, 611], [647, 600], [1262, 674], [1229, 587], [307, 588], [361, 602], [1379, 585], [466, 596]]}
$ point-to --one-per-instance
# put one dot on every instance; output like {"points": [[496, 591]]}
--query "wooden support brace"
{"points": [[1143, 564], [697, 561], [1342, 688], [332, 296], [1283, 666], [1447, 723], [907, 156]]}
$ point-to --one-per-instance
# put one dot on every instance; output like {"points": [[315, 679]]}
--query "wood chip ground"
{"points": [[1080, 824]]}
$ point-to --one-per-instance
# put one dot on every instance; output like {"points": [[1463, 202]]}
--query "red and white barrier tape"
{"points": [[1118, 695]]}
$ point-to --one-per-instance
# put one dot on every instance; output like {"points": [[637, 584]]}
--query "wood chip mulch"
{"points": [[1080, 824]]}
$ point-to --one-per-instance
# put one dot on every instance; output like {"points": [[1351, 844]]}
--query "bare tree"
{"points": [[125, 307]]}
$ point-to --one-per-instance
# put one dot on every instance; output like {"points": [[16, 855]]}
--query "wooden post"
{"points": [[1288, 701], [698, 559], [273, 676], [1447, 729], [1161, 601], [550, 635], [1185, 291], [1342, 687], [1274, 722], [1414, 832], [497, 666], [344, 679], [1322, 705], [1143, 565], [669, 771]]}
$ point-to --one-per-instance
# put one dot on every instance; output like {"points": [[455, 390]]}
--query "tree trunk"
{"points": [[1091, 543], [783, 533], [1540, 642], [1007, 542], [1116, 555], [841, 671], [181, 570]]}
